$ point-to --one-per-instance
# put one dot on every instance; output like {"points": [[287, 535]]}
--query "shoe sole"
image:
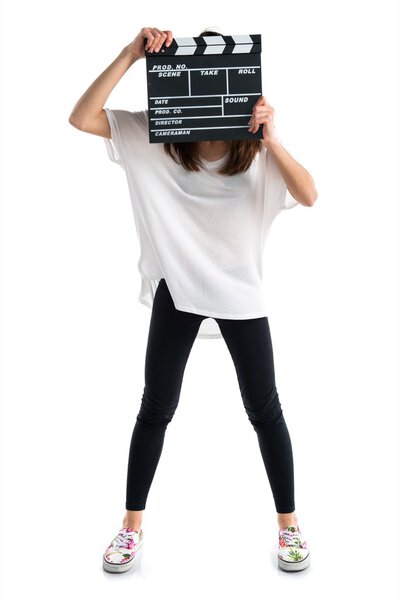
{"points": [[120, 568], [295, 565]]}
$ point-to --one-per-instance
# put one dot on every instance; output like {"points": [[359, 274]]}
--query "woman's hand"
{"points": [[263, 114], [155, 39]]}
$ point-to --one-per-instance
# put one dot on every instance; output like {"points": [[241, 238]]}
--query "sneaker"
{"points": [[293, 554], [121, 552]]}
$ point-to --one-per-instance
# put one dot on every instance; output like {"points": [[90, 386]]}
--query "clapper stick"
{"points": [[204, 88]]}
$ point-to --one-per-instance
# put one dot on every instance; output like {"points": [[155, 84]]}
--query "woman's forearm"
{"points": [[298, 180], [93, 100]]}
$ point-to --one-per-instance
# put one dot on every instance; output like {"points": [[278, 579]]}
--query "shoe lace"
{"points": [[124, 539], [293, 538]]}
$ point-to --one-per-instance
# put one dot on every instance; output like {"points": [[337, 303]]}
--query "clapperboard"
{"points": [[203, 88]]}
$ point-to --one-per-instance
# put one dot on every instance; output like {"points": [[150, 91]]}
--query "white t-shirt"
{"points": [[201, 231]]}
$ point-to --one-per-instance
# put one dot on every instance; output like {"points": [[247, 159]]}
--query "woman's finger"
{"points": [[160, 40], [259, 114], [156, 34], [156, 37], [149, 36], [169, 38], [260, 100]]}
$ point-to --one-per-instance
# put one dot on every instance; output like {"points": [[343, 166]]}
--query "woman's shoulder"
{"points": [[129, 124]]}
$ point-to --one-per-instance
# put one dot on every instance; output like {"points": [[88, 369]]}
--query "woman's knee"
{"points": [[157, 410], [265, 409]]}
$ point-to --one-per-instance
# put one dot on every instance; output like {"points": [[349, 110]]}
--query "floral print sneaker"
{"points": [[120, 554], [293, 554]]}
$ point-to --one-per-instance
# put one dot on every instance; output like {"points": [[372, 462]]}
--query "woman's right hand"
{"points": [[155, 39]]}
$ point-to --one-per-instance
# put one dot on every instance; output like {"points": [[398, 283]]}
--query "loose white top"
{"points": [[201, 231]]}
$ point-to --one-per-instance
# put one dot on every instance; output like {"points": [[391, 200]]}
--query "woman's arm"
{"points": [[298, 180], [88, 114]]}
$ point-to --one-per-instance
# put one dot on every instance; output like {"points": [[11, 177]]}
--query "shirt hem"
{"points": [[207, 314], [214, 315], [145, 302], [209, 336]]}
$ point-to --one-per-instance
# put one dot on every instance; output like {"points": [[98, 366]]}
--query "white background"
{"points": [[74, 334]]}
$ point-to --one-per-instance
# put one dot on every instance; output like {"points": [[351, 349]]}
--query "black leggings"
{"points": [[170, 339]]}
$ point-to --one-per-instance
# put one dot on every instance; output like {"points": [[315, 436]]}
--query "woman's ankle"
{"points": [[287, 519], [133, 519]]}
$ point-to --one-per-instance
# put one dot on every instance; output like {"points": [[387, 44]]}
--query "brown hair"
{"points": [[241, 153]]}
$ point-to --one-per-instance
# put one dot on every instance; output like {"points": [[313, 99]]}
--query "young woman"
{"points": [[202, 211]]}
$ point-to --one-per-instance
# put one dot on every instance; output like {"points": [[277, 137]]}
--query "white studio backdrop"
{"points": [[74, 334]]}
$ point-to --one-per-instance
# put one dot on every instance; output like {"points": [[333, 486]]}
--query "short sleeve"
{"points": [[289, 202], [129, 129], [113, 144]]}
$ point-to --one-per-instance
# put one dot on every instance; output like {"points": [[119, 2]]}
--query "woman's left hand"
{"points": [[263, 114]]}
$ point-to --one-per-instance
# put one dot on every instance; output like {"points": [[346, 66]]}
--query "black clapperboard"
{"points": [[204, 88]]}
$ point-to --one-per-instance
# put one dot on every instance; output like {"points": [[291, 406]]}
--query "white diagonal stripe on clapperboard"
{"points": [[215, 44]]}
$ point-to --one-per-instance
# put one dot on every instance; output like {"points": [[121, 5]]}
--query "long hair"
{"points": [[241, 153]]}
